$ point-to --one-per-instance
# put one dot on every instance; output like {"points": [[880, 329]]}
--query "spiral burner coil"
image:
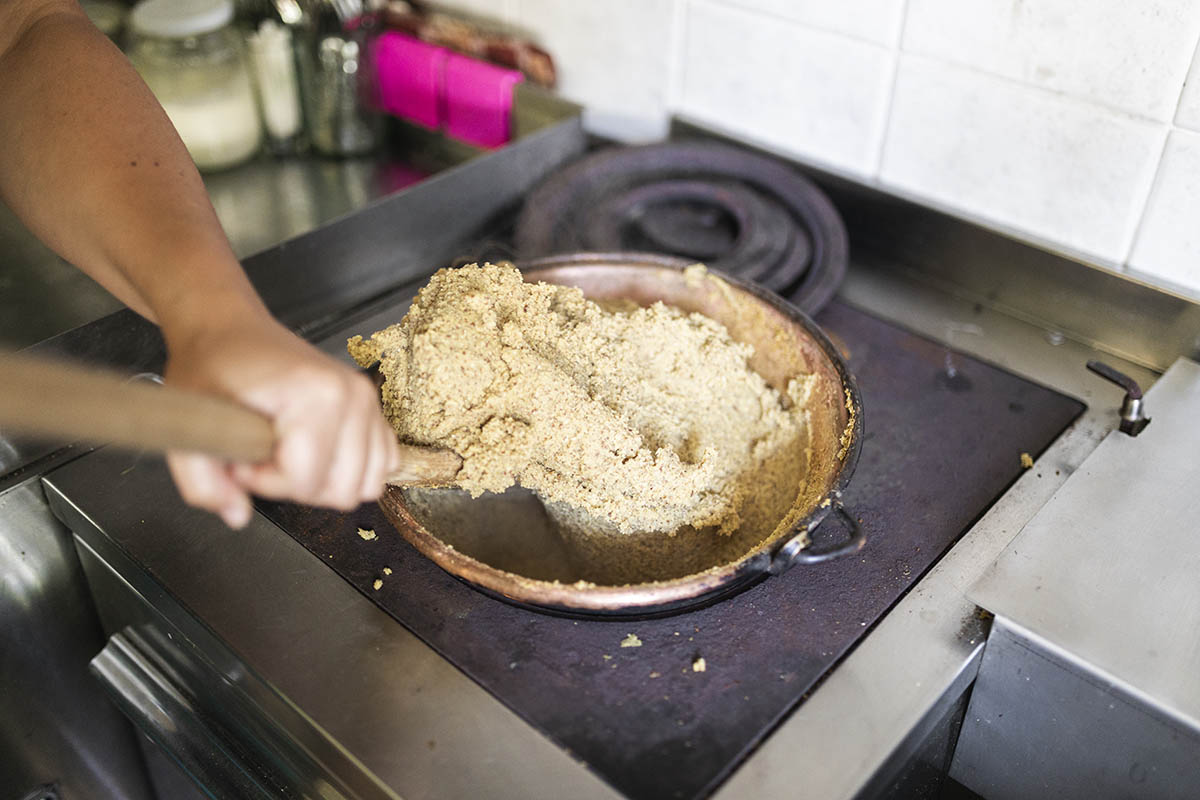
{"points": [[734, 210]]}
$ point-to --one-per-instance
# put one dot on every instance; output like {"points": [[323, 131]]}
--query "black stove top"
{"points": [[735, 210], [672, 717]]}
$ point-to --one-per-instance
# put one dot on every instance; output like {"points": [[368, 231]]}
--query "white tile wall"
{"points": [[1067, 171], [876, 21], [614, 56], [1128, 54], [1046, 118], [816, 94], [1168, 244], [1188, 115]]}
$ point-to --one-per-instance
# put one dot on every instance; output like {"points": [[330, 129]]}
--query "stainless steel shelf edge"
{"points": [[132, 605], [1043, 723], [411, 719], [1107, 571], [164, 714], [1071, 660]]}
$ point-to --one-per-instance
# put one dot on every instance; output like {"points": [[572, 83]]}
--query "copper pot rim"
{"points": [[667, 596]]}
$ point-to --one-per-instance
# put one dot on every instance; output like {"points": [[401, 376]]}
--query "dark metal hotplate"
{"points": [[740, 212], [944, 436]]}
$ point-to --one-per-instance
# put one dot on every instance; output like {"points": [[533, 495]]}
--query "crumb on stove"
{"points": [[367, 534], [698, 664], [655, 675], [387, 570], [1026, 461], [631, 641], [378, 584], [607, 657]]}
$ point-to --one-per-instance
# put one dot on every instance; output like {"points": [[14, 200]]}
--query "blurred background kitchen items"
{"points": [[274, 66], [337, 79], [107, 15], [194, 61]]}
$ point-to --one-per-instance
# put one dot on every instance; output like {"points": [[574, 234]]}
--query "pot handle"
{"points": [[795, 552]]}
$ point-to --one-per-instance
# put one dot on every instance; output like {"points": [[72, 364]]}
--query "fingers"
{"points": [[332, 452], [333, 446], [344, 474], [385, 459], [372, 477], [206, 483]]}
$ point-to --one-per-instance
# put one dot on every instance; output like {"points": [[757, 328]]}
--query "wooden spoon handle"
{"points": [[424, 466], [68, 401], [73, 402]]}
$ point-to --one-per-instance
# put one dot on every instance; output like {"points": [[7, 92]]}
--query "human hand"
{"points": [[333, 446]]}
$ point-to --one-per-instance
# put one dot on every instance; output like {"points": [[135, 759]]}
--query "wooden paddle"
{"points": [[73, 402]]}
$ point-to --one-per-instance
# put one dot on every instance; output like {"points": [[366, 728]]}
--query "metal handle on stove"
{"points": [[1133, 415], [795, 550], [149, 697]]}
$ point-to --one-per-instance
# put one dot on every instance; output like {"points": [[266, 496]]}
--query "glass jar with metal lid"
{"points": [[195, 63]]}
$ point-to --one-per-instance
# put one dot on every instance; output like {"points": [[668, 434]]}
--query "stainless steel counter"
{"points": [[277, 608], [1097, 606], [376, 713]]}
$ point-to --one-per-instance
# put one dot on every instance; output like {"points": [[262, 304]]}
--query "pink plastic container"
{"points": [[478, 100], [409, 73]]}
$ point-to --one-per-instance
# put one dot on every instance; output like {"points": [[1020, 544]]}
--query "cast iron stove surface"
{"points": [[740, 212], [944, 435]]}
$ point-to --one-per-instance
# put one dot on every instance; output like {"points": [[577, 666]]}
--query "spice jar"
{"points": [[194, 62]]}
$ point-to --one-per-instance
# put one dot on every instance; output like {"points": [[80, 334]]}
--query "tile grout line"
{"points": [[732, 5], [876, 167], [676, 76], [1144, 206], [1171, 125], [1183, 86], [1043, 91]]}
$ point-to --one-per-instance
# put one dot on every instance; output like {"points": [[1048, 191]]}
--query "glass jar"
{"points": [[337, 83], [194, 62]]}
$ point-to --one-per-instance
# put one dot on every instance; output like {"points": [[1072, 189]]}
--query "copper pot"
{"points": [[507, 545]]}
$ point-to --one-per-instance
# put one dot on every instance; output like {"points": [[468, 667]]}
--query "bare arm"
{"points": [[93, 166], [90, 159]]}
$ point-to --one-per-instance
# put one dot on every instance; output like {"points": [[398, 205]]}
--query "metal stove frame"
{"points": [[320, 691]]}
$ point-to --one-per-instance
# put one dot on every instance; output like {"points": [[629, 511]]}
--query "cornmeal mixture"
{"points": [[649, 418]]}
